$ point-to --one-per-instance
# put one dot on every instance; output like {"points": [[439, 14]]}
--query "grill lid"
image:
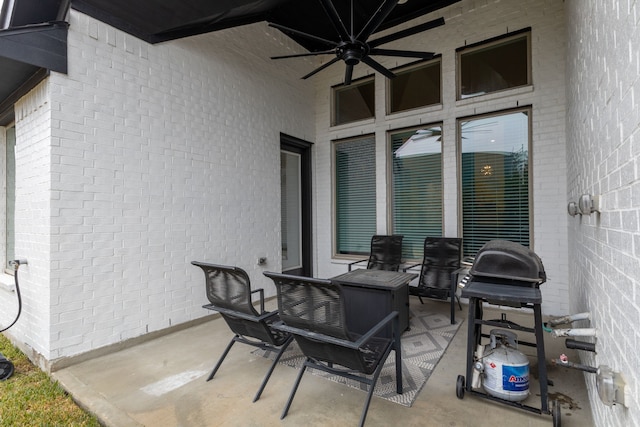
{"points": [[508, 260]]}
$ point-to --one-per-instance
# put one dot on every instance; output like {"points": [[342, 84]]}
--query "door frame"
{"points": [[303, 148]]}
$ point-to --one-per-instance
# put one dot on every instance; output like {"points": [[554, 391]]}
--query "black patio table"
{"points": [[371, 295]]}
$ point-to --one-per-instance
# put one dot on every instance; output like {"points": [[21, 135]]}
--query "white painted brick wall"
{"points": [[470, 22], [33, 183], [604, 159], [160, 155]]}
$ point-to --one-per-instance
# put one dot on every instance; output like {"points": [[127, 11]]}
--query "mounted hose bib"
{"points": [[6, 367]]}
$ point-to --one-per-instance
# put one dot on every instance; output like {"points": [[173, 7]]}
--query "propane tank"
{"points": [[506, 370]]}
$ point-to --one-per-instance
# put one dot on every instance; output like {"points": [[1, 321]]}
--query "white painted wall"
{"points": [[32, 224], [469, 22], [140, 160], [603, 134]]}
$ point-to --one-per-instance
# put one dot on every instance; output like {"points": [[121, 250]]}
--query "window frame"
{"points": [[414, 66], [529, 110], [334, 196], [491, 43], [390, 182], [342, 88]]}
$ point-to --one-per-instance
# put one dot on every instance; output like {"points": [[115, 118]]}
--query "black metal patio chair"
{"points": [[313, 311], [386, 253], [229, 293], [439, 271]]}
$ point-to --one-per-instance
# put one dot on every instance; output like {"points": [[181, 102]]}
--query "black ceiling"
{"points": [[161, 20]]}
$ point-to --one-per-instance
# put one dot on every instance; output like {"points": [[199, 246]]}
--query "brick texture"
{"points": [[141, 159], [603, 144]]}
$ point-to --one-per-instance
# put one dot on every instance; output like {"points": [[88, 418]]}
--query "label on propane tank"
{"points": [[515, 378]]}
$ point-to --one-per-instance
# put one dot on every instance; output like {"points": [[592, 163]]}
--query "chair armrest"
{"points": [[355, 345], [261, 291], [409, 267], [468, 261], [382, 323], [455, 274], [356, 262], [264, 316], [281, 326]]}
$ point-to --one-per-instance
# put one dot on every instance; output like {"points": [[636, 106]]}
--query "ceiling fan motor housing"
{"points": [[352, 53]]}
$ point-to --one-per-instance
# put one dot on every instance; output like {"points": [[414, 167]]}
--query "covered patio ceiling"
{"points": [[157, 21], [161, 20], [338, 27]]}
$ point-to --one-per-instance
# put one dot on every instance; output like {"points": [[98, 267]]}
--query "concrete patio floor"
{"points": [[161, 382]]}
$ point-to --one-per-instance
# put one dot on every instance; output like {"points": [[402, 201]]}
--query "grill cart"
{"points": [[507, 274]]}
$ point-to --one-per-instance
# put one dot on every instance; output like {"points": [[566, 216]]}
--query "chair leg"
{"points": [[420, 298], [372, 387], [226, 351], [293, 392], [397, 348], [453, 309], [273, 366]]}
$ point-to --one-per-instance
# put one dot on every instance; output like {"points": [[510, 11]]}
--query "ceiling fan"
{"points": [[354, 47]]}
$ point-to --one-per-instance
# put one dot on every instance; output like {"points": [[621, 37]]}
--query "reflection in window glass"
{"points": [[417, 187], [353, 102], [355, 195], [291, 210], [495, 67], [415, 88], [495, 179]]}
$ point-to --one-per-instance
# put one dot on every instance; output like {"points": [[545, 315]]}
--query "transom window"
{"points": [[355, 194], [495, 178], [416, 187], [416, 87], [354, 102], [495, 65]]}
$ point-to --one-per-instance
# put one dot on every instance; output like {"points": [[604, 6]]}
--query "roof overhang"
{"points": [[40, 45], [33, 41]]}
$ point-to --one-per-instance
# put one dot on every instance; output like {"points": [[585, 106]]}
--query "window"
{"points": [[416, 187], [353, 102], [355, 195], [495, 179], [9, 197], [417, 87], [493, 66]]}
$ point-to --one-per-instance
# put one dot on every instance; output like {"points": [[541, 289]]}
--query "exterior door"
{"points": [[295, 183]]}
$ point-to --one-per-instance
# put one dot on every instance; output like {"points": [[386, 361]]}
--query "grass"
{"points": [[30, 398]]}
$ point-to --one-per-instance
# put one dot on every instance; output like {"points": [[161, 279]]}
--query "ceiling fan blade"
{"points": [[333, 15], [299, 55], [374, 22], [406, 33], [348, 74], [402, 53], [302, 34], [378, 67], [322, 67]]}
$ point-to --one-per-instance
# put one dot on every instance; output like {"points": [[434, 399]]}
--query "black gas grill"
{"points": [[507, 274], [508, 263]]}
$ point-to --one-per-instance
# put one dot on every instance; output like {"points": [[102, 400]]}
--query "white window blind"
{"points": [[355, 195], [417, 187], [495, 179]]}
